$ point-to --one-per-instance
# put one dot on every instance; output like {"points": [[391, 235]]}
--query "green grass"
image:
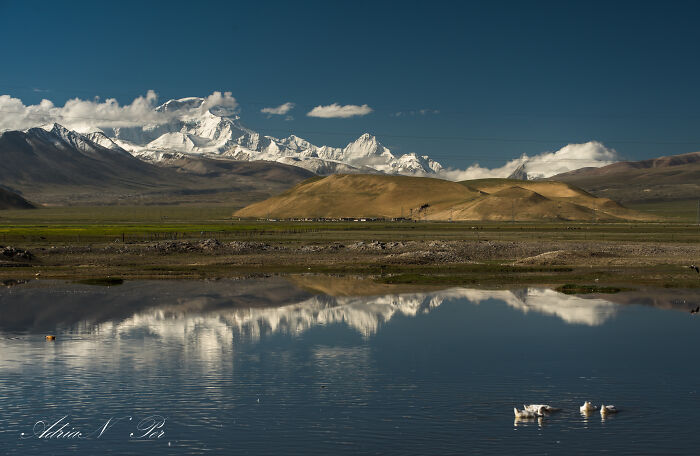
{"points": [[570, 288], [150, 223], [680, 211], [118, 215]]}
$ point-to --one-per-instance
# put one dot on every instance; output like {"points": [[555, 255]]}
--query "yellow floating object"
{"points": [[50, 337]]}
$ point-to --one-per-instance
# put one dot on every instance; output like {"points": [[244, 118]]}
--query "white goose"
{"points": [[587, 407], [524, 414], [607, 409], [540, 409]]}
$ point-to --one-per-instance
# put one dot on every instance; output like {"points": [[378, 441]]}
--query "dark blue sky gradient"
{"points": [[507, 77]]}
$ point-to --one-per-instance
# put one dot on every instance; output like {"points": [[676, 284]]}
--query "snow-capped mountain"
{"points": [[193, 127], [55, 165], [54, 155], [87, 144]]}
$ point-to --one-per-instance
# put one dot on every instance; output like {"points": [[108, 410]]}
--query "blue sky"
{"points": [[506, 77]]}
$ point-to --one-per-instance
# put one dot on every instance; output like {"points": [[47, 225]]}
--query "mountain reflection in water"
{"points": [[274, 366], [226, 310], [363, 314]]}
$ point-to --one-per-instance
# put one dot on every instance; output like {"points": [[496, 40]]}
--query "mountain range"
{"points": [[57, 166], [195, 152], [210, 128], [669, 178], [194, 128]]}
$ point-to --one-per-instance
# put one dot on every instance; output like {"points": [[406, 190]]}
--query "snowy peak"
{"points": [[520, 173], [101, 139], [367, 149], [415, 164], [70, 137], [211, 127], [195, 131], [295, 143], [62, 132], [181, 104], [196, 106], [91, 144]]}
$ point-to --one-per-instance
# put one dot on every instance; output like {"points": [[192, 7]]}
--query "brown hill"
{"points": [[360, 195], [671, 178], [540, 200]]}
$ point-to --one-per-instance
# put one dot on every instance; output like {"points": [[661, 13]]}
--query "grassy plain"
{"points": [[139, 223], [170, 241], [680, 211]]}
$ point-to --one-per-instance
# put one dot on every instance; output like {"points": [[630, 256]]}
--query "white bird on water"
{"points": [[524, 414], [587, 407], [607, 409], [540, 409]]}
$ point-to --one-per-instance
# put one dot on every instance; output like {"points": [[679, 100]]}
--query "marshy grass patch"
{"points": [[571, 288]]}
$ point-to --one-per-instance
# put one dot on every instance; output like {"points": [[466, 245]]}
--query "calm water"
{"points": [[263, 367]]}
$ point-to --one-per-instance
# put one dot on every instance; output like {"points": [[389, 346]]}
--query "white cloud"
{"points": [[218, 100], [546, 164], [337, 111], [89, 115], [475, 171], [280, 110]]}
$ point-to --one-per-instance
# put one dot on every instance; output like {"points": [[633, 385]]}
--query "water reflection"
{"points": [[208, 318], [571, 309], [528, 421], [268, 367], [217, 313], [365, 315]]}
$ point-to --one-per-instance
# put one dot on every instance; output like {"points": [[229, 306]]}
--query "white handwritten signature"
{"points": [[150, 428]]}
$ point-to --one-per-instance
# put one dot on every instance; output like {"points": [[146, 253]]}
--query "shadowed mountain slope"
{"points": [[9, 200], [57, 166]]}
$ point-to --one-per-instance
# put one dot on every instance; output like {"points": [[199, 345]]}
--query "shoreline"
{"points": [[426, 262]]}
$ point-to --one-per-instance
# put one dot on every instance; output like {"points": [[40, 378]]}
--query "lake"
{"points": [[265, 366]]}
